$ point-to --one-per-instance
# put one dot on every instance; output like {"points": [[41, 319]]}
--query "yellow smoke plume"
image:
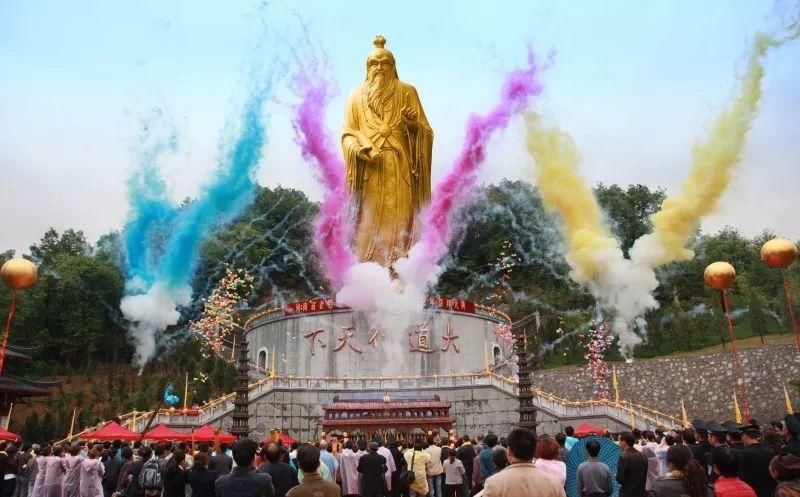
{"points": [[714, 163], [564, 190]]}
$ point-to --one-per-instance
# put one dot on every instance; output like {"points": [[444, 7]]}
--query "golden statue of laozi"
{"points": [[387, 145]]}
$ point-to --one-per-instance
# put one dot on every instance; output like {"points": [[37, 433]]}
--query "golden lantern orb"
{"points": [[719, 275], [778, 253], [19, 274]]}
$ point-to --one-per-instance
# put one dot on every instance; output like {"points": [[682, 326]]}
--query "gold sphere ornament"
{"points": [[19, 274], [719, 275], [778, 253]]}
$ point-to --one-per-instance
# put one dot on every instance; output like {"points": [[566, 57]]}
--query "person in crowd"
{"points": [[791, 435], [124, 470], [175, 475], [390, 463], [521, 478], [717, 435], [571, 440], [372, 467], [454, 475], [326, 458], [417, 461], [435, 468], [653, 463], [54, 473], [701, 450], [631, 468], [485, 456], [111, 467], [133, 487], [785, 469], [466, 454], [685, 476], [24, 457], [756, 458], [563, 451], [10, 470], [772, 439], [348, 466], [41, 462], [500, 457], [477, 477], [72, 468], [201, 479], [221, 462], [244, 481], [594, 476], [313, 485], [91, 474], [667, 441], [284, 477], [726, 466], [547, 459]]}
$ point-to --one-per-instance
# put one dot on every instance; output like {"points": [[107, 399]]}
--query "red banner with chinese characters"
{"points": [[450, 304], [313, 305]]}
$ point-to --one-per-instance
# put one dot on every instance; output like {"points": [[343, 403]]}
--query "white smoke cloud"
{"points": [[152, 312]]}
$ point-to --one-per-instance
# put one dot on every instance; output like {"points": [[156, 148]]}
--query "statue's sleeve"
{"points": [[351, 146], [421, 148]]}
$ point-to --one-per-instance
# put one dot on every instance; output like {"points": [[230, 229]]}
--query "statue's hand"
{"points": [[409, 117], [365, 154]]}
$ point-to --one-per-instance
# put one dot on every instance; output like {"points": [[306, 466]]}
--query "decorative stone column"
{"points": [[525, 362]]}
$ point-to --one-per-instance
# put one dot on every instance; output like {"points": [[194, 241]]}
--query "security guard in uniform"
{"points": [[754, 466]]}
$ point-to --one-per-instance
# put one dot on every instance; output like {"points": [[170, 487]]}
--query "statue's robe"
{"points": [[389, 192]]}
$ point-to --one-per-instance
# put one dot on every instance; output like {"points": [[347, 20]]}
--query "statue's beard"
{"points": [[380, 90]]}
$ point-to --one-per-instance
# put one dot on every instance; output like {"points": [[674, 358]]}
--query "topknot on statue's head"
{"points": [[379, 52], [379, 41]]}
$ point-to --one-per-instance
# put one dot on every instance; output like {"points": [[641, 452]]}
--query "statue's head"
{"points": [[380, 61], [381, 77]]}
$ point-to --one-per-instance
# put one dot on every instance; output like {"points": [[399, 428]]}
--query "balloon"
{"points": [[778, 253], [19, 274], [719, 275]]}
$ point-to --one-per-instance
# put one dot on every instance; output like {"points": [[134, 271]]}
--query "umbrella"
{"points": [[7, 435], [206, 434], [111, 431], [162, 433], [609, 454], [585, 429]]}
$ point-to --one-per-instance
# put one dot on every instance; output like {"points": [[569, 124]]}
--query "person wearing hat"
{"points": [[734, 439], [702, 449], [717, 434], [791, 432], [754, 468]]}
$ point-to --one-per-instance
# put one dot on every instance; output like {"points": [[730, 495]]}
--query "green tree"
{"points": [[32, 429], [48, 427], [629, 210], [756, 313]]}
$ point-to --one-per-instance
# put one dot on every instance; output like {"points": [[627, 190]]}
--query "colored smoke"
{"points": [[625, 286], [333, 227], [593, 253], [162, 242]]}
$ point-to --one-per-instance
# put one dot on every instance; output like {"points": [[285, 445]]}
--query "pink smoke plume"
{"points": [[454, 189], [333, 226]]}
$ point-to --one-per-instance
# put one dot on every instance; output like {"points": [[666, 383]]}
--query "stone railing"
{"points": [[625, 413]]}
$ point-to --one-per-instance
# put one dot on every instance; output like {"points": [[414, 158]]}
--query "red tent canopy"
{"points": [[7, 435], [111, 431], [206, 434], [162, 433], [585, 429]]}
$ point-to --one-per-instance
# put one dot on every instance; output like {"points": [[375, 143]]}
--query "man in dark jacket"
{"points": [[284, 478], [132, 488], [111, 474], [754, 466], [244, 481], [702, 449], [221, 462], [372, 467], [466, 454], [631, 468]]}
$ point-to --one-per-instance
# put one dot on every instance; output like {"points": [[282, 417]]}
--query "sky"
{"points": [[635, 83]]}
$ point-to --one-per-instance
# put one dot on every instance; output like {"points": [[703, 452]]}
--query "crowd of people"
{"points": [[710, 459]]}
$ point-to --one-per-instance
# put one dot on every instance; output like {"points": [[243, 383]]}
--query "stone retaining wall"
{"points": [[705, 382]]}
